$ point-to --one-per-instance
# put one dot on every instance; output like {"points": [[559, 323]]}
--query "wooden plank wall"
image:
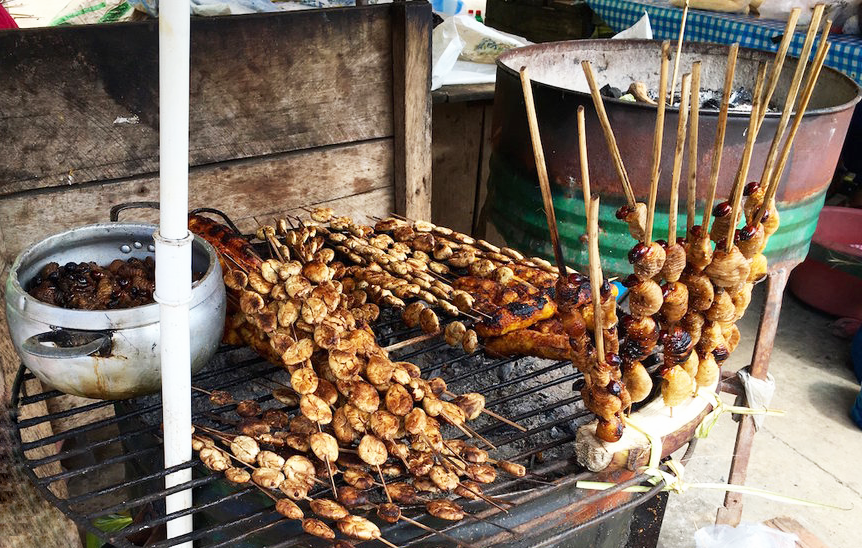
{"points": [[286, 110]]}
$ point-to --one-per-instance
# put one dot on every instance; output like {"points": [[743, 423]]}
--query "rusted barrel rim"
{"points": [[748, 53]]}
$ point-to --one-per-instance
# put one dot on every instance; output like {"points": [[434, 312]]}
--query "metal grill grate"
{"points": [[111, 456]]}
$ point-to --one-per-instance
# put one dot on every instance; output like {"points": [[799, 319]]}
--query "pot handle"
{"points": [[115, 211], [70, 344]]}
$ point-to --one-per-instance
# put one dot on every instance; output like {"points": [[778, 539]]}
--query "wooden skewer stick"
{"points": [[541, 169], [599, 104], [746, 157], [678, 51], [694, 121], [383, 481], [681, 127], [596, 276], [810, 83], [718, 146], [790, 100], [656, 144], [413, 340], [585, 168], [492, 414], [780, 55]]}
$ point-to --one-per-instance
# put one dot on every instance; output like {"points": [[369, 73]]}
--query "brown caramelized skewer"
{"points": [[647, 256], [606, 429], [747, 152], [674, 292], [810, 83], [542, 170]]}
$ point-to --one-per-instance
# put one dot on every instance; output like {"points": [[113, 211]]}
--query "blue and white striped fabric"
{"points": [[845, 54]]}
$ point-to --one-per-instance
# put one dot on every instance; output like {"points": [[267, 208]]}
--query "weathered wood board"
{"points": [[243, 188], [260, 84]]}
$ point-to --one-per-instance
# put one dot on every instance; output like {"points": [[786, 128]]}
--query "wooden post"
{"points": [[411, 94]]}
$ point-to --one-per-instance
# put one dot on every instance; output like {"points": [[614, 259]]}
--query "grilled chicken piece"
{"points": [[528, 342]]}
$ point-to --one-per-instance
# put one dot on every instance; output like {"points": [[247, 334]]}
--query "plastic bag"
{"points": [[640, 30], [744, 535], [85, 12], [463, 51]]}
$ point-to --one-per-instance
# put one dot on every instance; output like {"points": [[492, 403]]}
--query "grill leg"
{"points": [[731, 512]]}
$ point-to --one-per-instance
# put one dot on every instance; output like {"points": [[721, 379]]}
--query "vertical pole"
{"points": [[173, 254], [411, 94], [731, 512]]}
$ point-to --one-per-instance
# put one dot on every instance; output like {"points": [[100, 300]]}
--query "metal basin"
{"points": [[514, 203], [106, 354]]}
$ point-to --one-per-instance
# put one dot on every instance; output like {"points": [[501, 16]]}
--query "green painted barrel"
{"points": [[514, 204], [515, 208]]}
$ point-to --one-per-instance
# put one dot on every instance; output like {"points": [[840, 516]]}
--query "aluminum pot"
{"points": [[106, 354]]}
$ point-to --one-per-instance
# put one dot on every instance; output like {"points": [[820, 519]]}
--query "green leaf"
{"points": [[112, 522]]}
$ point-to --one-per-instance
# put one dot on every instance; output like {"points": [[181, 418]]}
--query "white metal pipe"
{"points": [[173, 254]]}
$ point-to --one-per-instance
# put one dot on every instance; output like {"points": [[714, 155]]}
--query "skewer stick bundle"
{"points": [[691, 196], [780, 55], [657, 142], [609, 134], [792, 92], [810, 83], [746, 157], [541, 168], [718, 146]]}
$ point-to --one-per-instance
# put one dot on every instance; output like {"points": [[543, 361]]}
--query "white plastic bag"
{"points": [[640, 30], [744, 535], [463, 51]]}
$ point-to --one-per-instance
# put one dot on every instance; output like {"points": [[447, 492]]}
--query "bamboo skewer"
{"points": [[542, 169], [678, 51], [792, 91], [780, 55], [585, 168], [657, 142], [746, 157], [596, 277], [694, 120], [681, 127], [810, 83], [413, 340], [599, 104], [718, 146], [492, 414]]}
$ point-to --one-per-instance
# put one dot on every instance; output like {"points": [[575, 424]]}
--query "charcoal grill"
{"points": [[547, 507]]}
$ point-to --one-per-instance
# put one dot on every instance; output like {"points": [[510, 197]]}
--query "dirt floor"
{"points": [[812, 452]]}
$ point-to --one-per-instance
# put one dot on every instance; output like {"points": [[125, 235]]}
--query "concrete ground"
{"points": [[813, 452]]}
